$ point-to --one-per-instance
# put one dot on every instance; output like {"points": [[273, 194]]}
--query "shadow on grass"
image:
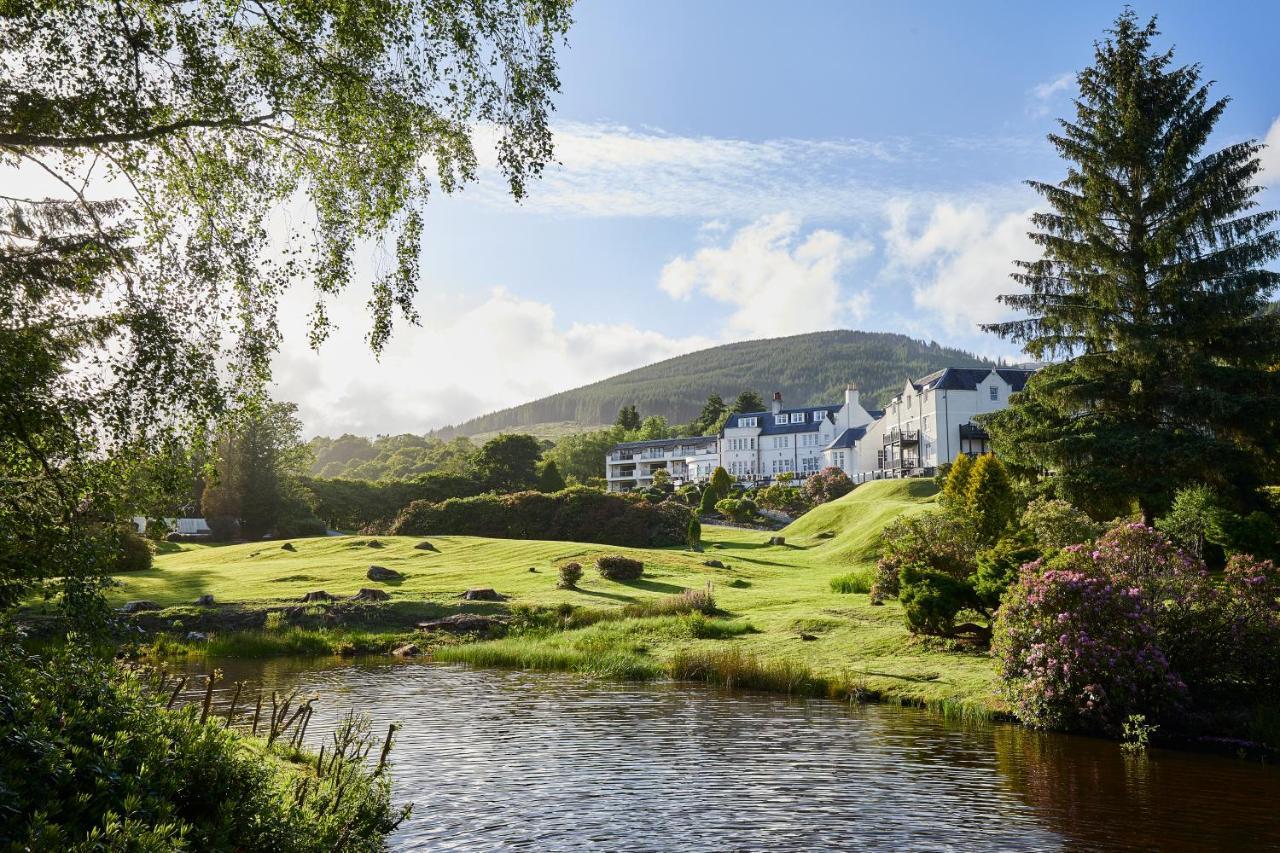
{"points": [[654, 586], [629, 599]]}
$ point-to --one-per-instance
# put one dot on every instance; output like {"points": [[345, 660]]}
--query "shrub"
{"points": [[1254, 585], [570, 574], [955, 489], [720, 482], [223, 528], [690, 601], [931, 600], [1255, 533], [707, 506], [827, 485], [945, 542], [301, 526], [579, 514], [693, 533], [783, 498], [1194, 519], [738, 509], [619, 568], [133, 553], [1077, 651], [989, 496], [1057, 524], [998, 568], [549, 479]]}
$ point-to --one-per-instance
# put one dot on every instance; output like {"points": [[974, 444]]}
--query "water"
{"points": [[495, 759]]}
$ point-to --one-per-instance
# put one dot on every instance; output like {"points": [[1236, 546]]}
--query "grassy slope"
{"points": [[781, 591]]}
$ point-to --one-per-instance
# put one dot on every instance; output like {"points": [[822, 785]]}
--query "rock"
{"points": [[715, 564], [205, 600], [777, 540], [197, 637], [483, 594], [461, 623], [173, 537], [139, 606], [410, 650], [317, 595], [366, 594], [374, 543], [424, 545], [826, 534], [382, 573], [807, 637], [288, 546], [533, 568]]}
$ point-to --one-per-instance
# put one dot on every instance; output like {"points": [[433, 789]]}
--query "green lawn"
{"points": [[777, 593]]}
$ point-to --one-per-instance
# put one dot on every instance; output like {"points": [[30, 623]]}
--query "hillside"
{"points": [[808, 369]]}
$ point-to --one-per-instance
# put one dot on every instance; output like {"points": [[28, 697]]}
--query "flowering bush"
{"points": [[1078, 651], [827, 485], [945, 542], [1253, 585]]}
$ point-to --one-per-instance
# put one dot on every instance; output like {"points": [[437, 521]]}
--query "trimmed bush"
{"points": [[998, 568], [707, 505], [578, 514], [618, 568], [133, 553], [720, 482], [930, 600], [570, 574], [738, 509], [693, 533]]}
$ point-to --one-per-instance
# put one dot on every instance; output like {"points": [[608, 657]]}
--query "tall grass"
{"points": [[689, 601], [736, 668], [301, 642], [859, 582], [517, 653]]}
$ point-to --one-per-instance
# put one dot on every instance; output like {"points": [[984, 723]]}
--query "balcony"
{"points": [[902, 436], [973, 432]]}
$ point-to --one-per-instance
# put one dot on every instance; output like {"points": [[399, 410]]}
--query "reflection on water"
{"points": [[494, 759]]}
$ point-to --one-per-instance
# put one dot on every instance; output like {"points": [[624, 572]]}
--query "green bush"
{"points": [[578, 514], [942, 541], [693, 533], [930, 600], [618, 568], [570, 574], [133, 553], [827, 485], [299, 526], [998, 568], [1057, 524], [90, 761], [707, 506], [738, 509]]}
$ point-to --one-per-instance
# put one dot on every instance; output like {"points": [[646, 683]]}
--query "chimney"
{"points": [[851, 394], [777, 402]]}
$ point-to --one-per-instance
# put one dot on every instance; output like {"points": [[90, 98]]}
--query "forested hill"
{"points": [[807, 369]]}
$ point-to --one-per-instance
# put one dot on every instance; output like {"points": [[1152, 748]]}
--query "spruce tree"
{"points": [[748, 401], [710, 414], [1150, 292], [549, 479], [628, 418]]}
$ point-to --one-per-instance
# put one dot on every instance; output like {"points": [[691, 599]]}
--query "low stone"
{"points": [[424, 545], [205, 600], [367, 594], [533, 568], [197, 637], [826, 534], [173, 537], [483, 594], [808, 638], [382, 573], [461, 623], [288, 546], [715, 564], [317, 595], [139, 606], [777, 540], [374, 543], [410, 650]]}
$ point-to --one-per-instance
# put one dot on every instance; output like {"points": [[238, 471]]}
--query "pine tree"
{"points": [[720, 482], [549, 479], [956, 490], [628, 418], [748, 401], [1151, 291], [990, 497], [711, 412]]}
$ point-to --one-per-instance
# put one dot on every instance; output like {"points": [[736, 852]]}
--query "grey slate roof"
{"points": [[665, 442], [847, 438], [768, 426], [968, 378]]}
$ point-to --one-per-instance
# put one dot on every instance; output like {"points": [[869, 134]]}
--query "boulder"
{"points": [[288, 546], [424, 545], [777, 540], [205, 600], [367, 594], [197, 637], [715, 564], [533, 568], [382, 573], [410, 650], [461, 623], [483, 594], [139, 606], [374, 543], [317, 595], [173, 537]]}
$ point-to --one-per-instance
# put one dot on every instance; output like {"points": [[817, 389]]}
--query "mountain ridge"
{"points": [[809, 369]]}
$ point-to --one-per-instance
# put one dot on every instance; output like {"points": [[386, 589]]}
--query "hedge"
{"points": [[578, 514]]}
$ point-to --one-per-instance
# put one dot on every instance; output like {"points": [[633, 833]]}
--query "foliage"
{"points": [[570, 574], [508, 463], [89, 761], [827, 485], [549, 479], [1055, 523], [355, 504], [859, 582], [661, 478], [711, 416], [1150, 291], [938, 541], [693, 533], [747, 401], [738, 509], [133, 552], [813, 368], [999, 566], [707, 504], [628, 418], [580, 456], [618, 568], [389, 457], [783, 498], [931, 600], [578, 515], [720, 483], [989, 497], [955, 490]]}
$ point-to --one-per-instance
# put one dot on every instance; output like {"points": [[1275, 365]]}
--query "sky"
{"points": [[734, 170]]}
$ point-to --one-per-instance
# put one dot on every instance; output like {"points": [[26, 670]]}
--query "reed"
{"points": [[853, 582]]}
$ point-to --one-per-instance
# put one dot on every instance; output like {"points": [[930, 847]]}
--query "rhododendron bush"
{"points": [[1133, 625]]}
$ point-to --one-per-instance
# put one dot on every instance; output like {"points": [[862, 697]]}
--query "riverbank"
{"points": [[777, 624]]}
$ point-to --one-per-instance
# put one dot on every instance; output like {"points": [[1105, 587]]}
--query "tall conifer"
{"points": [[1152, 290]]}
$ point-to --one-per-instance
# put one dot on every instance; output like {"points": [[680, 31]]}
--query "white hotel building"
{"points": [[926, 424]]}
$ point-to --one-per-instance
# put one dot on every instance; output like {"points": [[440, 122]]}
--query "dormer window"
{"points": [[797, 418], [781, 419], [747, 422]]}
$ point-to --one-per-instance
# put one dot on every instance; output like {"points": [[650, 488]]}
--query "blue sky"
{"points": [[736, 170]]}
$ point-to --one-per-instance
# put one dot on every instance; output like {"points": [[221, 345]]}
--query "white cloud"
{"points": [[1271, 156], [502, 351], [778, 281], [957, 258], [1044, 94]]}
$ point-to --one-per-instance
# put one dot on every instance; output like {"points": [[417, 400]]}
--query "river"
{"points": [[497, 759]]}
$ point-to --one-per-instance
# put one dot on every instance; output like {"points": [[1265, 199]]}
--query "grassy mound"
{"points": [[848, 529]]}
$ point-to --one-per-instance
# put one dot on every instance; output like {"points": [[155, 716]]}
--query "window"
{"points": [[780, 420], [747, 422], [797, 418], [995, 392], [753, 444], [924, 424]]}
